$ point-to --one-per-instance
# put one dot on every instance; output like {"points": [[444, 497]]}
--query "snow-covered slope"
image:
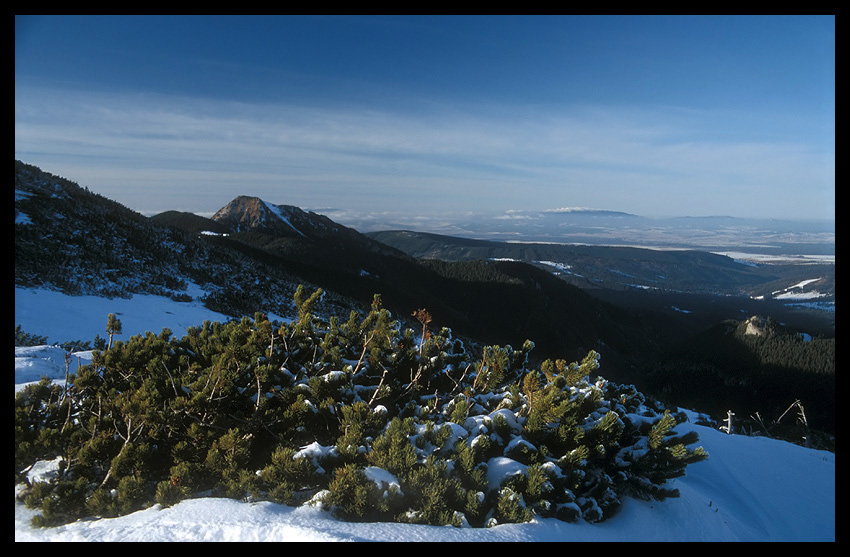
{"points": [[750, 488]]}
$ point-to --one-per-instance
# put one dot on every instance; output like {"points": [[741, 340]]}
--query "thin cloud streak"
{"points": [[496, 158]]}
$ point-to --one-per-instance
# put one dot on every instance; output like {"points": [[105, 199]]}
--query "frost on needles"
{"points": [[368, 418]]}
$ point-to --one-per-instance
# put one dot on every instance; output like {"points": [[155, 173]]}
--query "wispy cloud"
{"points": [[160, 152]]}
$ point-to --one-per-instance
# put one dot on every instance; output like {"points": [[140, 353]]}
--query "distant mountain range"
{"points": [[574, 212], [630, 305]]}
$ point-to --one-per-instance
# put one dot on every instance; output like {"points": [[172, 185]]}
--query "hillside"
{"points": [[458, 294], [692, 288], [751, 489], [253, 254], [74, 241], [188, 222]]}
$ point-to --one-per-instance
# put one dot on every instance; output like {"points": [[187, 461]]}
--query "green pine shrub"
{"points": [[316, 409], [170, 492], [353, 496], [393, 450], [510, 508], [434, 495], [103, 503]]}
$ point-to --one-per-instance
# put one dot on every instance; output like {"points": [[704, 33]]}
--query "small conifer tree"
{"points": [[113, 327]]}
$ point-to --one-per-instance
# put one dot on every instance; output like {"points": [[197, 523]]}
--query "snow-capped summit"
{"points": [[246, 213]]}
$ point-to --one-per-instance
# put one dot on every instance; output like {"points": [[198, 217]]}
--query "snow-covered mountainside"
{"points": [[750, 489], [71, 240], [80, 257]]}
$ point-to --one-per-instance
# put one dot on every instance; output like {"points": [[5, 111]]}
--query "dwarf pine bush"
{"points": [[376, 420]]}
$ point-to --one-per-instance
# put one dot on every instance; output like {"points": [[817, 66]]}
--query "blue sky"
{"points": [[658, 116]]}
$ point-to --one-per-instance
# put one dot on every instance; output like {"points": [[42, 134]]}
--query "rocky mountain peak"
{"points": [[251, 213], [246, 213]]}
